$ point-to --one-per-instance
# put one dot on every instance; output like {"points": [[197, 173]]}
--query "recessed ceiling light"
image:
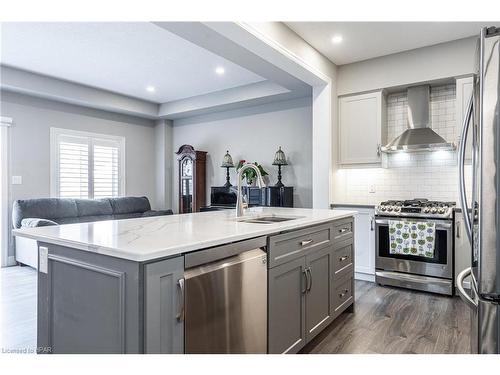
{"points": [[150, 89], [336, 39], [220, 70]]}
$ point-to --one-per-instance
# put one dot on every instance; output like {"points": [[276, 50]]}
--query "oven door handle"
{"points": [[439, 225]]}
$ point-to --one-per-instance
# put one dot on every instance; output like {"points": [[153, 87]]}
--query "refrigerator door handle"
{"points": [[464, 296], [461, 162]]}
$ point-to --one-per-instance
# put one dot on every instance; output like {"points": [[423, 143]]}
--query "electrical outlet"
{"points": [[372, 189]]}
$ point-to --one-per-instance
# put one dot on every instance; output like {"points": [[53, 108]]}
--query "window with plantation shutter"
{"points": [[73, 174], [86, 165]]}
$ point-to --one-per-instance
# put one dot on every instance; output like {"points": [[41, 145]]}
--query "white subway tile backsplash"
{"points": [[420, 175]]}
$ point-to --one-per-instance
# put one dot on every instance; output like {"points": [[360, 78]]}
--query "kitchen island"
{"points": [[118, 286]]}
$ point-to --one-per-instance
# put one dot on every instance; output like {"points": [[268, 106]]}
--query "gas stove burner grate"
{"points": [[420, 207], [415, 202]]}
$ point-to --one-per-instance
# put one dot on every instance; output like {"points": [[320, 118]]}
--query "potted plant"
{"points": [[249, 174]]}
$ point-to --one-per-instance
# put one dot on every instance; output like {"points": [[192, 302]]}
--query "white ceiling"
{"points": [[121, 57], [365, 40]]}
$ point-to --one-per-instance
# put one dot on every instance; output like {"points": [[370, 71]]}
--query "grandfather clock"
{"points": [[191, 179]]}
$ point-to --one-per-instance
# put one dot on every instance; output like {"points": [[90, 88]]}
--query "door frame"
{"points": [[5, 192]]}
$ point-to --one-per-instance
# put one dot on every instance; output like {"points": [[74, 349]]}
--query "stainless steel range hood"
{"points": [[419, 136]]}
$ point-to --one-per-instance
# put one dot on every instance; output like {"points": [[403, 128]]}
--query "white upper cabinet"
{"points": [[465, 87], [361, 124]]}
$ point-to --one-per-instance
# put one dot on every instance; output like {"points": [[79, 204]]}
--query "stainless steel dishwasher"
{"points": [[226, 299]]}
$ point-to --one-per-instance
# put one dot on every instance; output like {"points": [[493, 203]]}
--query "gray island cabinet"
{"points": [[119, 287], [92, 303], [310, 280]]}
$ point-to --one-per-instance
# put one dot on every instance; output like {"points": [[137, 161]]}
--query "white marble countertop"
{"points": [[150, 238]]}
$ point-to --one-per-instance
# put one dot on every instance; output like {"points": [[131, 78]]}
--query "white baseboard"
{"points": [[364, 276]]}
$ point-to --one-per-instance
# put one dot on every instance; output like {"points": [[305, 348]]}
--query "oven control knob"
{"points": [[442, 210], [426, 209], [433, 210], [397, 208], [382, 208], [389, 208]]}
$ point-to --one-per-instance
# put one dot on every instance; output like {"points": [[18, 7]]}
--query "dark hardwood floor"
{"points": [[393, 320], [386, 320]]}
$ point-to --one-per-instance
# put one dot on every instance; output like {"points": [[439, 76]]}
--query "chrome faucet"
{"points": [[239, 200]]}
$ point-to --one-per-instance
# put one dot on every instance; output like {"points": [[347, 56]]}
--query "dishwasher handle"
{"points": [[180, 314], [226, 263], [214, 254]]}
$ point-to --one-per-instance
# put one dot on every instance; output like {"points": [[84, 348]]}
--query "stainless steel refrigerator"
{"points": [[482, 213]]}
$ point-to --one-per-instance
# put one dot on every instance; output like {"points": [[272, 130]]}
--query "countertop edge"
{"points": [[177, 250]]}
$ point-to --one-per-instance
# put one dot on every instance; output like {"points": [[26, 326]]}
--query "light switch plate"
{"points": [[372, 188], [43, 256], [17, 180]]}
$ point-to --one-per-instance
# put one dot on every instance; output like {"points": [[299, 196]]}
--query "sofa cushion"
{"points": [[31, 222], [93, 207], [157, 213], [46, 208], [127, 205]]}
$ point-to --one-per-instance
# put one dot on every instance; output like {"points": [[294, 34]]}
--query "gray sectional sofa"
{"points": [[30, 213]]}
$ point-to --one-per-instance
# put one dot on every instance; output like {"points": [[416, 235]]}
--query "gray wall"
{"points": [[436, 62], [30, 142], [253, 134]]}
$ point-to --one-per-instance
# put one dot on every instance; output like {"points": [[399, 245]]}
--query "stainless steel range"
{"points": [[430, 269]]}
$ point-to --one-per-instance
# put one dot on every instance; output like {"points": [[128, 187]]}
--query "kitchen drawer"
{"points": [[342, 294], [343, 259], [292, 245], [343, 229]]}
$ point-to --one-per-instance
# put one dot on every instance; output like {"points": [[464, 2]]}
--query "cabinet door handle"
{"points": [[308, 270], [306, 242], [372, 220], [341, 295], [305, 280], [457, 229], [378, 149], [341, 259], [343, 230], [180, 314]]}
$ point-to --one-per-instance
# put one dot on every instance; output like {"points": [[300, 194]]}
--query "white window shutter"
{"points": [[73, 167], [86, 165], [106, 168]]}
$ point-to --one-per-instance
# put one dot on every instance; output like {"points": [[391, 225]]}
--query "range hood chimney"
{"points": [[419, 136]]}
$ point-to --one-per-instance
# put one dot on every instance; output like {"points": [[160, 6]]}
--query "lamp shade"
{"points": [[279, 158], [227, 162]]}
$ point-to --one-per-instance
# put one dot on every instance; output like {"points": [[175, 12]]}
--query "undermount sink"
{"points": [[268, 219]]}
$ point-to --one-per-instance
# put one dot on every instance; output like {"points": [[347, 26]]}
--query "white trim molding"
{"points": [[5, 121], [91, 139], [5, 225]]}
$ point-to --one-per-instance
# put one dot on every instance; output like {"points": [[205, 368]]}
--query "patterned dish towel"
{"points": [[412, 238]]}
